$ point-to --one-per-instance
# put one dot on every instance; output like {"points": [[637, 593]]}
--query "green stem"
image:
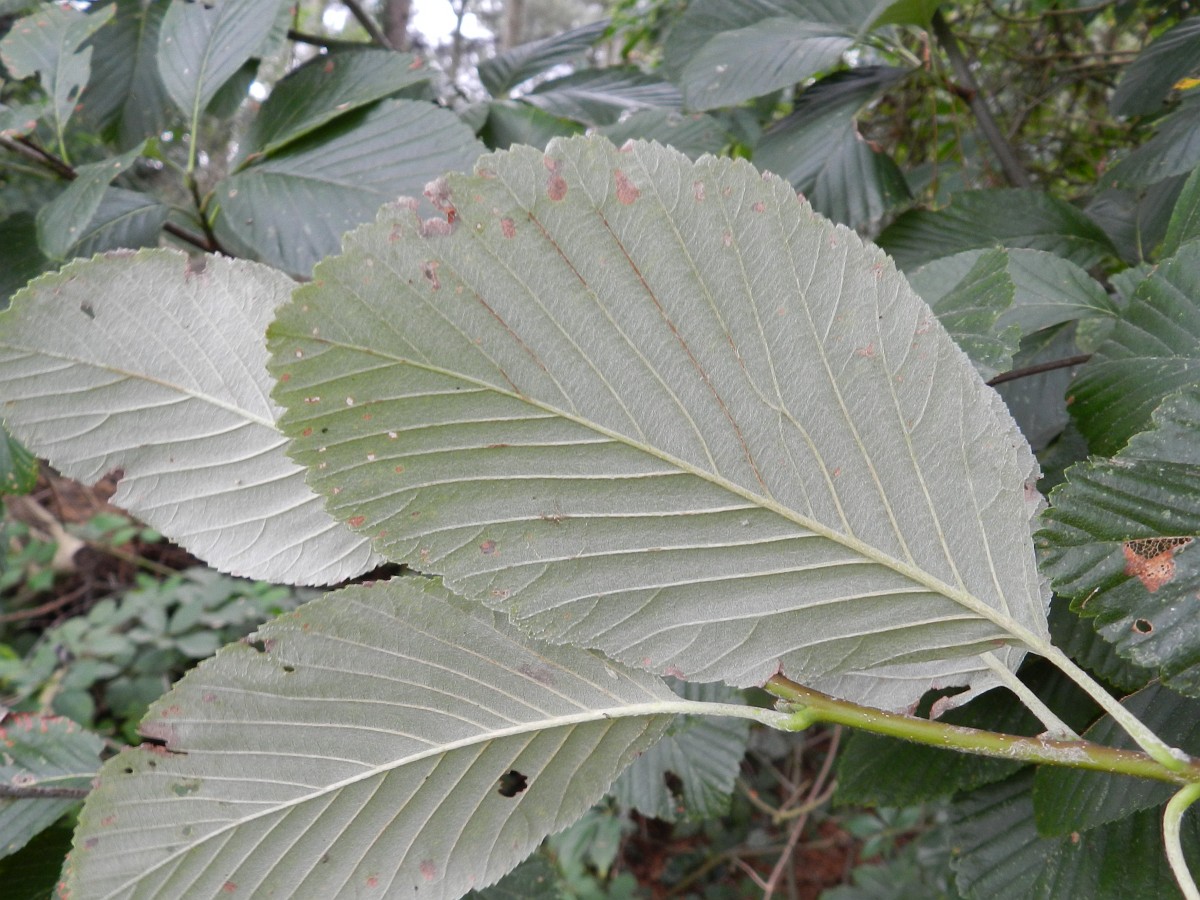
{"points": [[809, 707], [1055, 726], [1172, 819]]}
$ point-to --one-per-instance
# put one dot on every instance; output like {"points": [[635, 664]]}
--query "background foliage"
{"points": [[1032, 167]]}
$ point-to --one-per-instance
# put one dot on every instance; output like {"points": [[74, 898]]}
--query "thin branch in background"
{"points": [[319, 40], [37, 792], [1009, 163], [1026, 371], [365, 20]]}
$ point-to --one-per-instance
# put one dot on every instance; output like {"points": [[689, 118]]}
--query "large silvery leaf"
{"points": [[150, 364], [665, 410], [506, 70], [292, 208], [600, 96], [1120, 541], [464, 744]]}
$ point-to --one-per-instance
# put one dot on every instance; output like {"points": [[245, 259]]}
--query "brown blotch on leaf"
{"points": [[488, 547], [1152, 560], [508, 228], [428, 869], [436, 228], [540, 674], [356, 521], [429, 270], [759, 207], [698, 190], [556, 187], [627, 191]]}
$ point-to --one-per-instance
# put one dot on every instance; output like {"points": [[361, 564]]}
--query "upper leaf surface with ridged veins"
{"points": [[665, 410], [155, 366], [390, 740]]}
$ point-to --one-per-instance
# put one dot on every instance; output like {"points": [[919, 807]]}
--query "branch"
{"points": [[38, 792], [809, 707], [377, 35], [318, 40], [1009, 162], [1038, 369], [50, 162]]}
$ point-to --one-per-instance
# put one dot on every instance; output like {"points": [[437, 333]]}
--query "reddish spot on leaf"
{"points": [[92, 843], [108, 821], [759, 207], [229, 887], [698, 190], [307, 432], [508, 228], [428, 869], [488, 547], [1152, 561], [556, 187], [285, 377], [356, 521], [673, 672], [627, 191], [372, 881], [867, 352]]}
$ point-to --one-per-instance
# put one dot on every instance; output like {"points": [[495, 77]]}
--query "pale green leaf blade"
{"points": [[47, 43], [1153, 351], [327, 87], [600, 96], [125, 91], [690, 773], [145, 363], [1184, 225], [505, 71], [819, 150], [46, 753], [203, 45], [61, 223], [464, 744], [1004, 218], [663, 409], [292, 208], [124, 219], [722, 53], [1120, 540], [694, 135]]}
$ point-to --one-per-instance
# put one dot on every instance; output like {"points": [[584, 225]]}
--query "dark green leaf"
{"points": [[694, 135], [1152, 351], [1079, 640], [47, 753], [600, 96], [203, 45], [723, 53], [20, 257], [1174, 150], [531, 880], [999, 853], [327, 87], [1007, 218], [1185, 218], [690, 773], [1068, 800], [819, 150], [1136, 220], [125, 90], [1120, 540], [62, 223], [969, 303], [1039, 402], [124, 219], [909, 12], [506, 70], [293, 207], [47, 44], [32, 873], [514, 122], [1148, 80], [18, 467]]}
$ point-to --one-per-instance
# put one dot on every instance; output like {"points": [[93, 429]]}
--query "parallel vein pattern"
{"points": [[151, 365], [664, 410], [385, 741]]}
